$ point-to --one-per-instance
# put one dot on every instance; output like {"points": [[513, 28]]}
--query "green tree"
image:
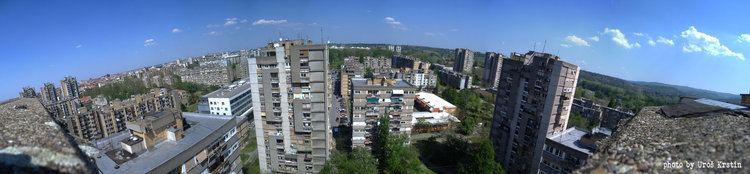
{"points": [[394, 156], [358, 161], [119, 90], [369, 73], [480, 159]]}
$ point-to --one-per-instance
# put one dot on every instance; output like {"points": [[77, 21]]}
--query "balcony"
{"points": [[373, 100]]}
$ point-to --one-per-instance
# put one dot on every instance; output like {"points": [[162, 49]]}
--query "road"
{"points": [[335, 104], [334, 112]]}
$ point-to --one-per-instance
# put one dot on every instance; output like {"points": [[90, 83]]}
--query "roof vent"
{"points": [[20, 107]]}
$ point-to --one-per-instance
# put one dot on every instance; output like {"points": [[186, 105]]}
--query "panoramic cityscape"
{"points": [[386, 87]]}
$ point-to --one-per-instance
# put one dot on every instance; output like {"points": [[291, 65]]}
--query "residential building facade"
{"points": [[533, 101], [28, 92], [232, 100], [291, 99], [376, 98], [161, 142], [463, 60], [454, 79], [491, 73], [350, 69]]}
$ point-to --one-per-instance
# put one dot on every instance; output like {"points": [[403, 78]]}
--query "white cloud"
{"points": [[244, 21], [619, 38], [651, 42], [176, 30], [394, 23], [213, 33], [269, 22], [743, 38], [79, 46], [665, 41], [576, 40], [595, 38], [433, 34], [454, 30], [702, 42], [565, 45], [212, 26], [637, 45], [230, 21], [149, 42], [638, 34]]}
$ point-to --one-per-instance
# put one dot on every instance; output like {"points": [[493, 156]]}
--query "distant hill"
{"points": [[656, 87], [634, 94]]}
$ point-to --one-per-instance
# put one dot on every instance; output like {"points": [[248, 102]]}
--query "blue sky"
{"points": [[691, 43]]}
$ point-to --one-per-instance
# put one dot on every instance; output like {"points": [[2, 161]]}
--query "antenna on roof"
{"points": [[533, 48], [321, 35], [544, 46]]}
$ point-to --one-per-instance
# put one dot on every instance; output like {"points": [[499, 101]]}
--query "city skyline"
{"points": [[634, 40]]}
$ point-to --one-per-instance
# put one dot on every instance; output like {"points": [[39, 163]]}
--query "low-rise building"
{"points": [[745, 99], [606, 116], [162, 143], [454, 79], [216, 72], [432, 103], [422, 79], [235, 100], [568, 150]]}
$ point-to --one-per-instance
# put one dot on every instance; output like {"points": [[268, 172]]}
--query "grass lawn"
{"points": [[250, 146]]}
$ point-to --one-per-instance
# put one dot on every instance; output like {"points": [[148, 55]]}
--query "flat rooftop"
{"points": [[433, 118], [204, 129], [230, 91], [646, 142], [433, 100], [570, 138], [364, 82], [32, 142]]}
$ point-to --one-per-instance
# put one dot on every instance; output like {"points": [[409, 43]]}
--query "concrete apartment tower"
{"points": [[492, 64], [69, 87], [374, 98], [533, 101], [291, 98], [463, 60]]}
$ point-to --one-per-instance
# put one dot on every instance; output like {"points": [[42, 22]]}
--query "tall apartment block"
{"points": [[69, 88], [376, 98], [463, 60], [533, 101], [28, 92], [109, 119], [492, 64], [350, 69], [48, 93], [291, 99]]}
